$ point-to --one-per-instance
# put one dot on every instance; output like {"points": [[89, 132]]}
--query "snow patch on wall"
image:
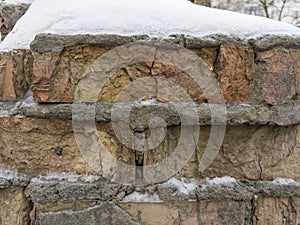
{"points": [[221, 181], [140, 197], [185, 186], [283, 181]]}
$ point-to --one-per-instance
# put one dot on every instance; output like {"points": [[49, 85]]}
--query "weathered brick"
{"points": [[235, 72], [31, 146], [277, 74], [277, 211], [207, 212], [14, 207], [250, 152], [163, 213], [15, 74]]}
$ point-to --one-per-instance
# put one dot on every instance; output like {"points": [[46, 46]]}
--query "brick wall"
{"points": [[47, 178]]}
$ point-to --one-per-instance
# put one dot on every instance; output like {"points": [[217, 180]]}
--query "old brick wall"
{"points": [[46, 179]]}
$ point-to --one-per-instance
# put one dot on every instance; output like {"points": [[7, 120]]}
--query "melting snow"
{"points": [[222, 180], [70, 177], [283, 181], [139, 197], [18, 1], [156, 18], [183, 185]]}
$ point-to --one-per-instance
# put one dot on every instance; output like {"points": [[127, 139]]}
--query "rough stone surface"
{"points": [[163, 213], [255, 153], [277, 211], [29, 146], [9, 15], [15, 207], [57, 74], [105, 213], [15, 74], [277, 74], [235, 71]]}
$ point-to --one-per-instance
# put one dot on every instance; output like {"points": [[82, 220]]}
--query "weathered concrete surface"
{"points": [[15, 74], [277, 211], [8, 179], [9, 15], [15, 207], [237, 114]]}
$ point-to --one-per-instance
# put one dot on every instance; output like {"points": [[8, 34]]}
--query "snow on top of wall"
{"points": [[156, 18], [18, 1]]}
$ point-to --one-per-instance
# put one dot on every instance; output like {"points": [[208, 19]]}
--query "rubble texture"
{"points": [[59, 166]]}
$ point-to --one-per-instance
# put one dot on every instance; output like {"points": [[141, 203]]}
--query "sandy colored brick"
{"points": [[222, 212], [39, 146], [163, 213], [255, 153], [250, 152], [188, 213], [14, 207], [278, 72], [277, 211], [235, 72], [57, 74]]}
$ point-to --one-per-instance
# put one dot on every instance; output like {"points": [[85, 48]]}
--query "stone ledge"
{"points": [[70, 188], [8, 179], [238, 114]]}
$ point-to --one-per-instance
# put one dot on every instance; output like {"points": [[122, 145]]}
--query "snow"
{"points": [[139, 197], [221, 181], [69, 177], [147, 102], [183, 185], [18, 1], [7, 174], [156, 18], [283, 181]]}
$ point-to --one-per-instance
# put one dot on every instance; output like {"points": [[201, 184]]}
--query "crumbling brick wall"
{"points": [[53, 183]]}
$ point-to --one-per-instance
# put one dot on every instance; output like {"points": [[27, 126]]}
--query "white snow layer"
{"points": [[18, 1], [283, 181], [221, 181], [183, 185], [139, 197], [156, 18]]}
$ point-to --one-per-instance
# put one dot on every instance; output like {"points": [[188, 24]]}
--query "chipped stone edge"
{"points": [[55, 42], [237, 114]]}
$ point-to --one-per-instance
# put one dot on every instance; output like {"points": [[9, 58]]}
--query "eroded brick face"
{"points": [[58, 74], [235, 73], [15, 207], [15, 74], [277, 211], [278, 75]]}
